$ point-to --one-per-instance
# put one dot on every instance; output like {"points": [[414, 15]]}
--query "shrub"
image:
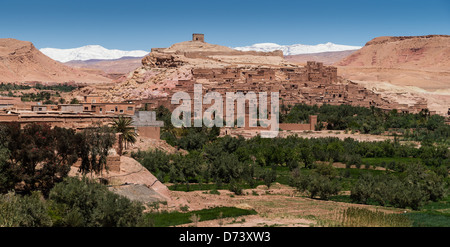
{"points": [[362, 189], [235, 187], [269, 176], [23, 211], [326, 169], [415, 188], [87, 203], [155, 160]]}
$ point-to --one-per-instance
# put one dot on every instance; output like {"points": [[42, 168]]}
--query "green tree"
{"points": [[38, 156], [93, 146], [74, 101], [315, 185], [90, 204]]}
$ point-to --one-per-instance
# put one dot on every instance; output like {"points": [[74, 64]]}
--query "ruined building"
{"points": [[198, 37]]}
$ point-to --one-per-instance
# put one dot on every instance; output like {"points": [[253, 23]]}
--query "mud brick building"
{"points": [[224, 70]]}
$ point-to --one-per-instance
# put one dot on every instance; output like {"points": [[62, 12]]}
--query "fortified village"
{"points": [[166, 71]]}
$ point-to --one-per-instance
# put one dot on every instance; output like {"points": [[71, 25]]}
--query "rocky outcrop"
{"points": [[162, 60]]}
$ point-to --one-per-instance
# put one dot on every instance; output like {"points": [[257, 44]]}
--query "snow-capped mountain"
{"points": [[89, 52], [297, 48]]}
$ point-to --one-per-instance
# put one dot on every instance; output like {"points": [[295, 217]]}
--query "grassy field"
{"points": [[434, 214], [361, 217], [178, 218]]}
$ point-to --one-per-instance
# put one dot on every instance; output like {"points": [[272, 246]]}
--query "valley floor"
{"points": [[280, 206]]}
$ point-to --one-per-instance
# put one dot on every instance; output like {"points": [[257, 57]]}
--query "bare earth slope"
{"points": [[430, 53], [404, 68], [20, 61]]}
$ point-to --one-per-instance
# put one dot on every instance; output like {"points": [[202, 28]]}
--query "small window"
{"points": [[121, 111], [130, 108]]}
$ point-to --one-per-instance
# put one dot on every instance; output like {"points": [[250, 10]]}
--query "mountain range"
{"points": [[297, 49], [89, 52]]}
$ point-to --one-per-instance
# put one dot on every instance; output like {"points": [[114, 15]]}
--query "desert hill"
{"points": [[431, 52], [406, 68], [20, 61], [163, 68], [202, 54]]}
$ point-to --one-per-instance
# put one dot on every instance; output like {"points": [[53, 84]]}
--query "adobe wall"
{"points": [[149, 132], [295, 126], [9, 117]]}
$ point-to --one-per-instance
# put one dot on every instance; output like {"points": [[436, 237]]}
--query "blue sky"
{"points": [[136, 24]]}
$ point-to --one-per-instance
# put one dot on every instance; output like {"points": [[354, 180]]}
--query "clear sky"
{"points": [[139, 24]]}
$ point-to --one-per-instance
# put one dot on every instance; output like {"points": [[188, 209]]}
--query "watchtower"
{"points": [[198, 37]]}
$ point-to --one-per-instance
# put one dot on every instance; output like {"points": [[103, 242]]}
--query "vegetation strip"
{"points": [[178, 218]]}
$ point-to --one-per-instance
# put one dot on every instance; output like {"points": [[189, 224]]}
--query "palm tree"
{"points": [[123, 125]]}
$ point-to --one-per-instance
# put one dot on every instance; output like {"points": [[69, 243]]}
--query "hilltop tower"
{"points": [[198, 37]]}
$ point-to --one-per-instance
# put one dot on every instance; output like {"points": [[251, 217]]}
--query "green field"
{"points": [[177, 218], [434, 214]]}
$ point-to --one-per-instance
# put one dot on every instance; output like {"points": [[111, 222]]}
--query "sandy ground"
{"points": [[313, 134], [145, 144]]}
